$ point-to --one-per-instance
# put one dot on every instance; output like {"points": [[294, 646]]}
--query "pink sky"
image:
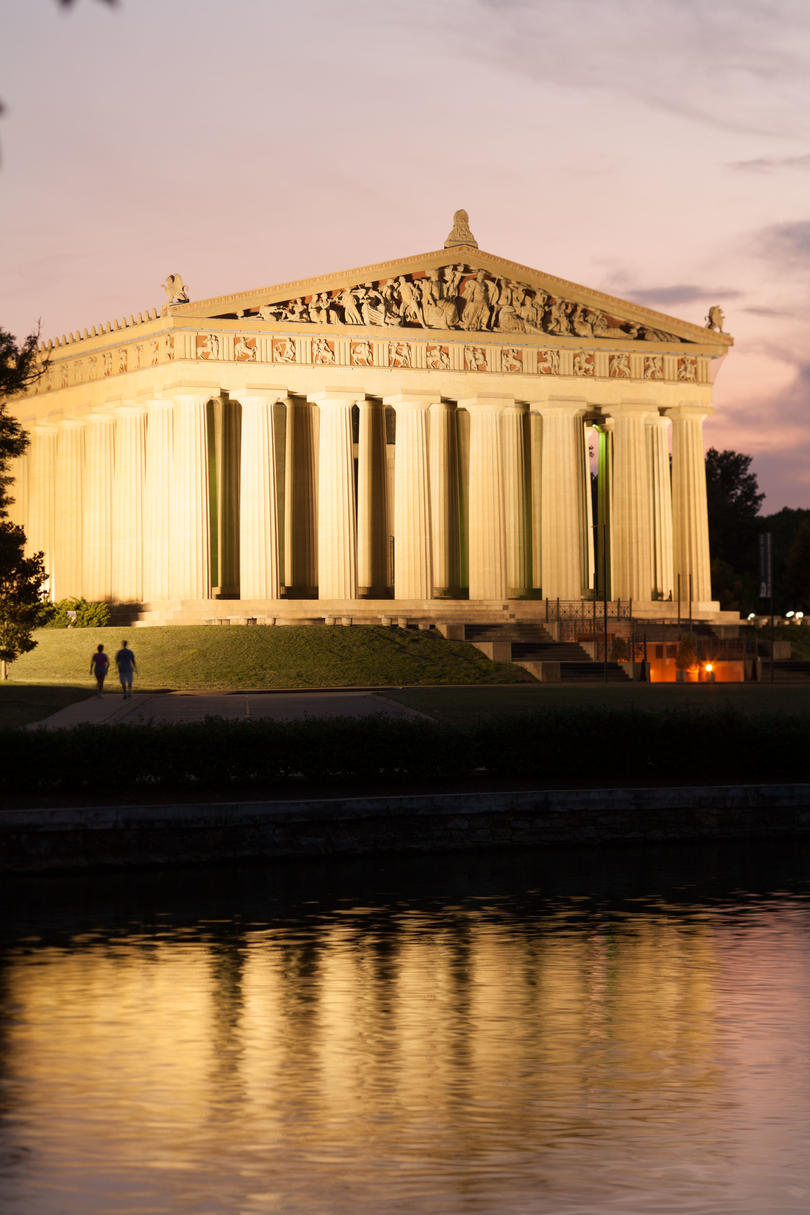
{"points": [[655, 149]]}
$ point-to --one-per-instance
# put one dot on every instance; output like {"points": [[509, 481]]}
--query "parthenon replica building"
{"points": [[414, 436]]}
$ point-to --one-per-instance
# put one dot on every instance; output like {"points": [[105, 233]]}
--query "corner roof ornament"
{"points": [[461, 234], [176, 291]]}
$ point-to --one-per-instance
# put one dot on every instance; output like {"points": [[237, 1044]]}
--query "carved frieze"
{"points": [[438, 357], [284, 350], [475, 358], [327, 350], [456, 296], [548, 362], [511, 359], [362, 354]]}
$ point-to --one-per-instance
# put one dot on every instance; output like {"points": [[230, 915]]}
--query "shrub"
{"points": [[79, 614]]}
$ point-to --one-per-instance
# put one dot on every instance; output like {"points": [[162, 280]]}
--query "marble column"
{"points": [[413, 558], [372, 504], [259, 575], [690, 520], [128, 503], [97, 518], [562, 522], [535, 494], [444, 498], [190, 543], [657, 429], [41, 513], [337, 516], [516, 490], [487, 522], [68, 510], [631, 531], [301, 499], [158, 505]]}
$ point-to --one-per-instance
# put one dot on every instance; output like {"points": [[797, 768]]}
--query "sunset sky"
{"points": [[655, 149]]}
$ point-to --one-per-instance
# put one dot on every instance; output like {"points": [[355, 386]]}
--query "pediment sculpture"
{"points": [[456, 296]]}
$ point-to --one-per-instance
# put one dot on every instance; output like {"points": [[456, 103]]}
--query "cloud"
{"points": [[771, 164], [734, 65], [681, 293], [785, 245]]}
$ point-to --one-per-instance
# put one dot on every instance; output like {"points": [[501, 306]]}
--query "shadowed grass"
{"points": [[21, 704], [461, 705]]}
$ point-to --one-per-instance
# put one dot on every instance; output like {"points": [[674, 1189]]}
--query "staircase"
{"points": [[532, 647]]}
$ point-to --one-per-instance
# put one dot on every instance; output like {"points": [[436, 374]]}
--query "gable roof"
{"points": [[515, 299]]}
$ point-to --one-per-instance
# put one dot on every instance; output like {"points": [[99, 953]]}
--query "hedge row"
{"points": [[589, 745]]}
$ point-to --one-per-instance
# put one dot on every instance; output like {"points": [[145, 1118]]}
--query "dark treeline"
{"points": [[735, 525]]}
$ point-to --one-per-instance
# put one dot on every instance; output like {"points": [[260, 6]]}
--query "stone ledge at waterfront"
{"points": [[41, 840]]}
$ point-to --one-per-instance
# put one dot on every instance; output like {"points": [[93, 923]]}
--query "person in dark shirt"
{"points": [[125, 661]]}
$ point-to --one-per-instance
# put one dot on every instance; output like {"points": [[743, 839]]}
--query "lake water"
{"points": [[618, 1030]]}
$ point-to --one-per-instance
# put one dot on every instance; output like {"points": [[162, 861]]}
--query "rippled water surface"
{"points": [[602, 1032]]}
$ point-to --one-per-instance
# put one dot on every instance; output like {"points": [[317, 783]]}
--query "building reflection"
{"points": [[404, 1038]]}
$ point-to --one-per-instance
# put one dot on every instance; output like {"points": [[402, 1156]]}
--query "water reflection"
{"points": [[419, 1040]]}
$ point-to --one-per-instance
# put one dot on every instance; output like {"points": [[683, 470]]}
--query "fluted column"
{"points": [[631, 538], [535, 494], [516, 490], [68, 510], [372, 503], [98, 483], [413, 559], [41, 516], [190, 546], [487, 523], [657, 428], [259, 575], [301, 498], [158, 522], [337, 519], [690, 520], [562, 520], [444, 498], [128, 504]]}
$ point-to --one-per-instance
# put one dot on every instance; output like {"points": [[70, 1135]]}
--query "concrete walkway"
{"points": [[162, 707]]}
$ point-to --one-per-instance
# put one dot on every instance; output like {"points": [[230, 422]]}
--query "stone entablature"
{"points": [[285, 349]]}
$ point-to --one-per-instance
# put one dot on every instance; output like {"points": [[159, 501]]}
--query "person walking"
{"points": [[98, 667], [125, 661]]}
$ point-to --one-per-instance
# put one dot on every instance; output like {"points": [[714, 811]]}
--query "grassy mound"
{"points": [[200, 658]]}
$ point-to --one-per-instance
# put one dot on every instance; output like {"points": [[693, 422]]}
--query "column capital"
{"points": [[632, 408], [198, 390], [417, 399], [688, 409], [259, 393], [335, 396], [564, 406], [487, 401]]}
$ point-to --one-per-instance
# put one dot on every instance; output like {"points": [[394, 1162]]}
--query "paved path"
{"points": [[196, 706]]}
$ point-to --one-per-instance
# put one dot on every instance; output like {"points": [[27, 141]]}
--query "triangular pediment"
{"points": [[463, 289]]}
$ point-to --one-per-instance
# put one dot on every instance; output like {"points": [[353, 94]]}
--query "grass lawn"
{"points": [[463, 705], [252, 658]]}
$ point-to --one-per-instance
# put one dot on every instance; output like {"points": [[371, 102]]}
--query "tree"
{"points": [[797, 569], [734, 498], [21, 578]]}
